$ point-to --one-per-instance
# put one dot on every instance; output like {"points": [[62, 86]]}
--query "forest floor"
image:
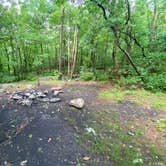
{"points": [[117, 126]]}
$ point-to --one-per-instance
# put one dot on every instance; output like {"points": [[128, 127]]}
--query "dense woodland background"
{"points": [[119, 40]]}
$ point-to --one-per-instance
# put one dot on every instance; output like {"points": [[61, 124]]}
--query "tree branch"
{"points": [[102, 7], [128, 12]]}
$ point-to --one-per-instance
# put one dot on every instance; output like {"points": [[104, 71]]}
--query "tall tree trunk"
{"points": [[68, 50], [13, 55], [8, 59], [114, 54], [61, 42], [74, 50], [152, 25]]}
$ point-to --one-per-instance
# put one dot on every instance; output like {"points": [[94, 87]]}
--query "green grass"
{"points": [[139, 96], [116, 142], [161, 123]]}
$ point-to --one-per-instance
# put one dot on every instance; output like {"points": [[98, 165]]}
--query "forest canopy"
{"points": [[119, 40]]}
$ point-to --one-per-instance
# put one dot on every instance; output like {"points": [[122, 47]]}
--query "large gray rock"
{"points": [[78, 103]]}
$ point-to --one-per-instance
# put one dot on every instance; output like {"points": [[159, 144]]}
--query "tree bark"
{"points": [[68, 50], [61, 41], [74, 50]]}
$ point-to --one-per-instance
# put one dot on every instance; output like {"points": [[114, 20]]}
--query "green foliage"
{"points": [[130, 80], [139, 96], [4, 78], [86, 75], [31, 77], [57, 74], [161, 123], [101, 76], [29, 41], [156, 82]]}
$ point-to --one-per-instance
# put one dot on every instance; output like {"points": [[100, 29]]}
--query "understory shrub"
{"points": [[130, 80], [86, 75], [30, 77], [57, 74], [7, 78], [101, 76], [156, 82]]}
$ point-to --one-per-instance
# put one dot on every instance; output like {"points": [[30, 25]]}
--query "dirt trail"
{"points": [[45, 134]]}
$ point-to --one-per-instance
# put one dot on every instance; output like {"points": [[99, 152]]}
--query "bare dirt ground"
{"points": [[45, 134]]}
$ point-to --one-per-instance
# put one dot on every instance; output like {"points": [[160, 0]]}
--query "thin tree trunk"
{"points": [[8, 59], [131, 62], [74, 50], [68, 50], [153, 24], [61, 41], [114, 54]]}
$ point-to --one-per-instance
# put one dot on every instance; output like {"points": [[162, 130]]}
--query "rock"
{"points": [[16, 97], [55, 100], [32, 96], [44, 100], [56, 93], [46, 92], [40, 94], [78, 103], [26, 102], [58, 88], [27, 94]]}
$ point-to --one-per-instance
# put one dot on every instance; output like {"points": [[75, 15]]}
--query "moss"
{"points": [[139, 96]]}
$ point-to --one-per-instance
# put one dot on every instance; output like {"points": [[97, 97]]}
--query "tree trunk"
{"points": [[61, 41], [74, 50], [152, 25], [8, 59], [68, 50]]}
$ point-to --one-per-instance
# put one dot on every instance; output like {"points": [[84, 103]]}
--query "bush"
{"points": [[101, 76], [156, 82], [7, 79], [86, 75], [57, 74], [30, 77], [130, 80]]}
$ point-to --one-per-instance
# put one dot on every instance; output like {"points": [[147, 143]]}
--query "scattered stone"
{"points": [[78, 103], [58, 88], [56, 93], [27, 94], [22, 163], [46, 92], [44, 100], [26, 102], [16, 97], [32, 96], [55, 100], [40, 94]]}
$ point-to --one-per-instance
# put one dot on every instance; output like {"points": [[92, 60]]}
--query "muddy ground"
{"points": [[45, 134]]}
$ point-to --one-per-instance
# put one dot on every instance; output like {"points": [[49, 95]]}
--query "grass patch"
{"points": [[139, 96], [161, 123], [114, 141]]}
